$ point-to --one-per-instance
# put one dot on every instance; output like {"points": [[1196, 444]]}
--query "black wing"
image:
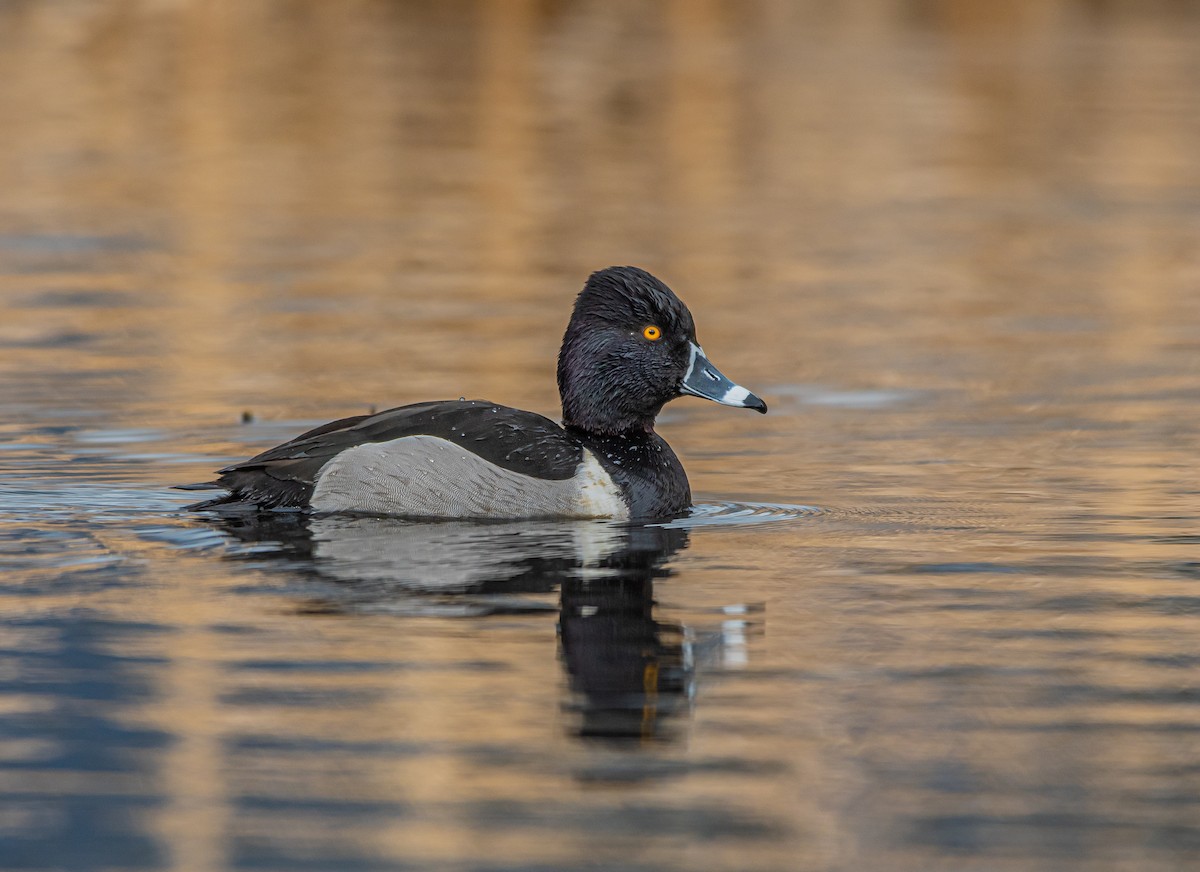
{"points": [[284, 476]]}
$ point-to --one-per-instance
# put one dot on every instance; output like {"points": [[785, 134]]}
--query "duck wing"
{"points": [[284, 477]]}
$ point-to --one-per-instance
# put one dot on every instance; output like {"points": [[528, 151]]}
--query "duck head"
{"points": [[630, 348]]}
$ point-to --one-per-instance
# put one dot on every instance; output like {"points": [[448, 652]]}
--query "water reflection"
{"points": [[628, 672]]}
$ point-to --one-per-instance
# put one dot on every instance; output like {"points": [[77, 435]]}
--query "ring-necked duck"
{"points": [[630, 347]]}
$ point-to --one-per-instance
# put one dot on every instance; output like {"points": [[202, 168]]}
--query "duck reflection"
{"points": [[627, 671]]}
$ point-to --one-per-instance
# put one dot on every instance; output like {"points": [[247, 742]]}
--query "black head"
{"points": [[630, 347]]}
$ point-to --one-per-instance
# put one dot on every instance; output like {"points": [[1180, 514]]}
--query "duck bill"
{"points": [[702, 379]]}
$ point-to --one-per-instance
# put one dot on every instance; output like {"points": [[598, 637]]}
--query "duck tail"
{"points": [[223, 500]]}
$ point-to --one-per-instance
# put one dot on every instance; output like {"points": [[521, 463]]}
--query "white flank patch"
{"points": [[429, 477], [599, 496]]}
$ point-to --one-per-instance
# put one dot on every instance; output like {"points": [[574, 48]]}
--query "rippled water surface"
{"points": [[940, 609]]}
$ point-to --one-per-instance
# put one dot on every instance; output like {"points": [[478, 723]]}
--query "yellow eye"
{"points": [[652, 333]]}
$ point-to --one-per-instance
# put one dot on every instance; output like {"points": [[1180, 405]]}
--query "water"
{"points": [[937, 610]]}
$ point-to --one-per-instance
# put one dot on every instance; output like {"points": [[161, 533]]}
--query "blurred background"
{"points": [[955, 244], [299, 199]]}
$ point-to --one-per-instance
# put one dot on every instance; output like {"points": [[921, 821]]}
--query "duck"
{"points": [[630, 347]]}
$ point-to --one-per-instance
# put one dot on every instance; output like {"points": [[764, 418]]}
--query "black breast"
{"points": [[645, 468]]}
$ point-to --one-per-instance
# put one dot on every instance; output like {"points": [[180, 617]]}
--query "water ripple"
{"points": [[727, 513]]}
